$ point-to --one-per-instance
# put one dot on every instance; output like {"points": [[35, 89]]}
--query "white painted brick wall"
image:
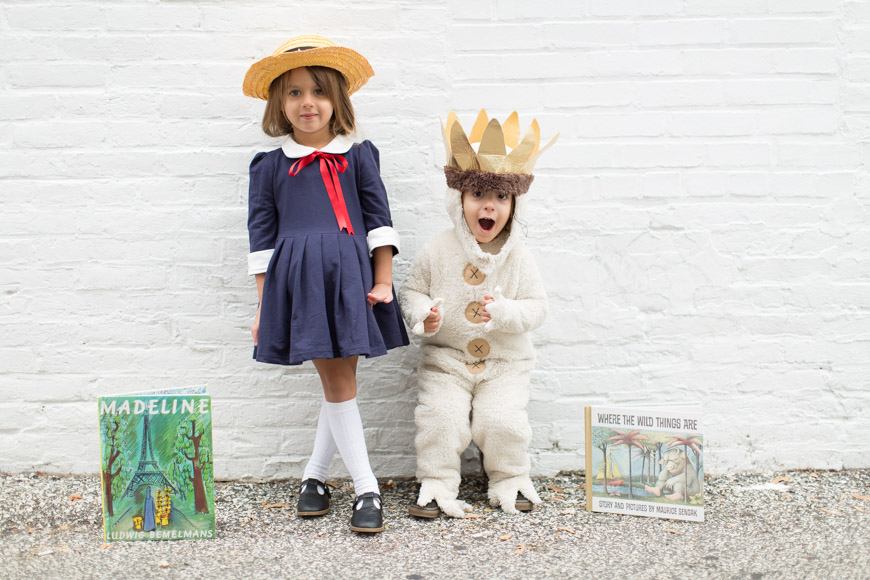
{"points": [[702, 224]]}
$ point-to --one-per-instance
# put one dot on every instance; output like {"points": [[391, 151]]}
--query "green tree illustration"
{"points": [[192, 460], [600, 440], [114, 460]]}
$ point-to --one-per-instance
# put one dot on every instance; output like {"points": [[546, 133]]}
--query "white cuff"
{"points": [[258, 262], [383, 236]]}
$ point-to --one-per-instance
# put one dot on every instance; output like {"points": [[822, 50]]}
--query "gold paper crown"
{"points": [[491, 167]]}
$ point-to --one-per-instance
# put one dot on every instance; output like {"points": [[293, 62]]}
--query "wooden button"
{"points": [[473, 276], [478, 348], [476, 368], [474, 312]]}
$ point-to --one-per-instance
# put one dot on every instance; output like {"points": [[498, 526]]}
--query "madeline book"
{"points": [[645, 461], [156, 465]]}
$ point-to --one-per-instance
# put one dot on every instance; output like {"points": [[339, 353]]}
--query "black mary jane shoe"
{"points": [[428, 511], [523, 504], [313, 499], [368, 517]]}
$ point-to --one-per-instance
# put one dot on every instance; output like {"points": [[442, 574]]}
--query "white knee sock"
{"points": [[347, 431], [324, 449]]}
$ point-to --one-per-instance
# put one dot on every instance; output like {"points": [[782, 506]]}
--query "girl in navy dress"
{"points": [[322, 245]]}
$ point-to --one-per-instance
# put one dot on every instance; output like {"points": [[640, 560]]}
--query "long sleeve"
{"points": [[414, 295], [373, 200], [262, 215], [528, 310]]}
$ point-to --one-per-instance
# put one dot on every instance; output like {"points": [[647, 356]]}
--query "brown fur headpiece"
{"points": [[472, 180]]}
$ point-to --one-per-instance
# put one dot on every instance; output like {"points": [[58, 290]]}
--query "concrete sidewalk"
{"points": [[784, 525]]}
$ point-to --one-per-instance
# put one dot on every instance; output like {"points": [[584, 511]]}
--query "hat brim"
{"points": [[355, 68]]}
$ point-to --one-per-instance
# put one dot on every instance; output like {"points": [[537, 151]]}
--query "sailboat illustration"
{"points": [[611, 474]]}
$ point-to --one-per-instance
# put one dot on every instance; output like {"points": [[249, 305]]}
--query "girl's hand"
{"points": [[380, 293], [255, 328], [433, 321], [486, 316]]}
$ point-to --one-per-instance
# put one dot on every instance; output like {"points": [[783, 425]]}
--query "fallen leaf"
{"points": [[861, 497], [105, 546], [782, 479], [45, 552], [505, 537], [675, 532], [472, 516], [814, 474], [75, 497], [277, 505], [555, 488], [830, 512], [41, 474], [564, 529], [163, 564], [568, 512], [862, 510], [520, 549], [389, 485], [63, 527], [63, 549]]}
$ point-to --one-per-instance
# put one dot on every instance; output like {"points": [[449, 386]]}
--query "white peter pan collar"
{"points": [[340, 145]]}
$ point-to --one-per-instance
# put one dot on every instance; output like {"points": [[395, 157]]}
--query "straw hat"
{"points": [[309, 50]]}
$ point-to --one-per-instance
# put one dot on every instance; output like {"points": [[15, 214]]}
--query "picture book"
{"points": [[645, 461], [156, 465]]}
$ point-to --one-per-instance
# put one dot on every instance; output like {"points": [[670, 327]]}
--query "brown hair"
{"points": [[334, 86]]}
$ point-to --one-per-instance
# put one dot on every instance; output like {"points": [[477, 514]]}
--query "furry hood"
{"points": [[487, 262]]}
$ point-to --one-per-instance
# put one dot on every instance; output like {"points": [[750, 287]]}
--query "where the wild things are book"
{"points": [[645, 461], [156, 465]]}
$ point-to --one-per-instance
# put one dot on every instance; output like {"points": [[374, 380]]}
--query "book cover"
{"points": [[156, 465], [645, 461]]}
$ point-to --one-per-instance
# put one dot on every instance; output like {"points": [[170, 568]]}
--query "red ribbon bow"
{"points": [[330, 166]]}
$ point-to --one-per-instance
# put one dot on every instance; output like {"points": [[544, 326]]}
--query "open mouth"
{"points": [[486, 225]]}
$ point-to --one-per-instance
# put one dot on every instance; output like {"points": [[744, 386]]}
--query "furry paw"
{"points": [[419, 328], [454, 508], [445, 498], [504, 493]]}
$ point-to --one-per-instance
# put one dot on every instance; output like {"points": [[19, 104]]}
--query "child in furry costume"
{"points": [[473, 293]]}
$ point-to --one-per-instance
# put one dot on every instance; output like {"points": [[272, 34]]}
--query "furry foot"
{"points": [[432, 489], [454, 508], [504, 493]]}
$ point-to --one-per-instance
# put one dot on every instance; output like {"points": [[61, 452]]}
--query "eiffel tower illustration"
{"points": [[148, 472]]}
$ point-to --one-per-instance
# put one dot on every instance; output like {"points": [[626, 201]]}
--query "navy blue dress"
{"points": [[314, 297]]}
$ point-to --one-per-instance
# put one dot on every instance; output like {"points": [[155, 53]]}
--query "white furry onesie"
{"points": [[474, 376]]}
